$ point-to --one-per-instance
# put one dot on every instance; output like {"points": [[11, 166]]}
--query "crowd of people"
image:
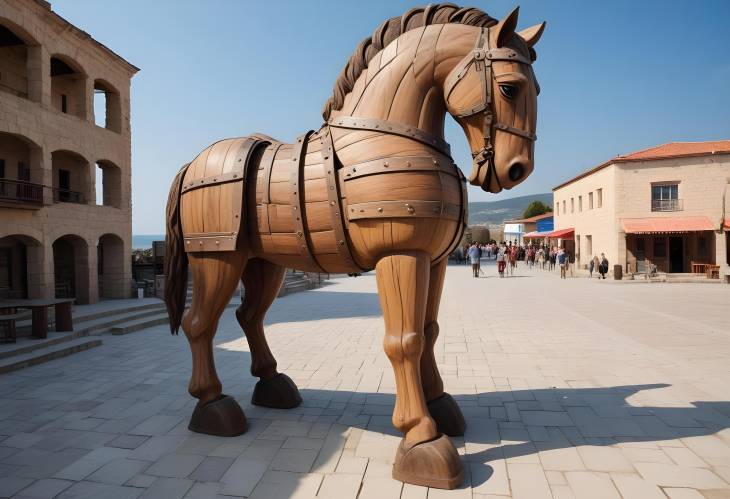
{"points": [[540, 256]]}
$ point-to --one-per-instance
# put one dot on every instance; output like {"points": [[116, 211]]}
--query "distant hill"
{"points": [[496, 212]]}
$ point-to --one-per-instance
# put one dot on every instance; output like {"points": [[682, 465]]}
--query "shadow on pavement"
{"points": [[530, 421]]}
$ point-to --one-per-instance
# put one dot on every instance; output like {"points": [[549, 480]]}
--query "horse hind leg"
{"points": [[441, 406], [215, 276], [262, 280], [424, 456]]}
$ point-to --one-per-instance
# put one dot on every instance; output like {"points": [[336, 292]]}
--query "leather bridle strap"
{"points": [[481, 58], [392, 128]]}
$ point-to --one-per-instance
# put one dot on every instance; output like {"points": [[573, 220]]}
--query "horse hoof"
{"points": [[222, 418], [430, 464], [279, 392], [445, 411]]}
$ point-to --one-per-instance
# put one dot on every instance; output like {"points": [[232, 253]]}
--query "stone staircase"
{"points": [[90, 325]]}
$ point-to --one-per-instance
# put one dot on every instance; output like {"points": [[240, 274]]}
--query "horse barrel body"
{"points": [[307, 207], [292, 216]]}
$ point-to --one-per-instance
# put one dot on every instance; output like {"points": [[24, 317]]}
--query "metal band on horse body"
{"points": [[334, 200], [296, 179], [392, 128]]}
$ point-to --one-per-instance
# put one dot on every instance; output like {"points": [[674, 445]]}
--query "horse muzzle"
{"points": [[483, 172]]}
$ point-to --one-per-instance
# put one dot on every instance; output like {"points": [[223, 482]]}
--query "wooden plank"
{"points": [[402, 186]]}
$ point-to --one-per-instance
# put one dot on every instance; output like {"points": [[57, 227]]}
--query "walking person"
{"points": [[562, 261], [501, 261], [596, 265], [603, 268], [513, 259], [474, 259], [591, 264]]}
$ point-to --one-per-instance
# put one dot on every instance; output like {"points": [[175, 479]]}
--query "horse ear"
{"points": [[532, 34], [506, 27]]}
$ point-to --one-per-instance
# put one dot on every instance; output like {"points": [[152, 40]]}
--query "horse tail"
{"points": [[176, 261]]}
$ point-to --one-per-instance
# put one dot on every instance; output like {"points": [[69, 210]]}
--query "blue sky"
{"points": [[615, 76]]}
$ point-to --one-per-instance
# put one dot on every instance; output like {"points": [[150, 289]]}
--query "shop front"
{"points": [[674, 245]]}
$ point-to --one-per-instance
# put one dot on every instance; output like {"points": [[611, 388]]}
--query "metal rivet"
{"points": [[408, 163], [342, 242], [385, 164], [235, 175], [332, 203], [332, 187], [217, 242], [353, 169], [337, 213], [380, 210]]}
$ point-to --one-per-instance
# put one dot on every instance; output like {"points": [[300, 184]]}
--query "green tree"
{"points": [[536, 208]]}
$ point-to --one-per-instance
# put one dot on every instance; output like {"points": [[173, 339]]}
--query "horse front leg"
{"points": [[424, 456], [441, 405], [215, 276]]}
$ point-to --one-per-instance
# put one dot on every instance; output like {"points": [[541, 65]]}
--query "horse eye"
{"points": [[509, 91]]}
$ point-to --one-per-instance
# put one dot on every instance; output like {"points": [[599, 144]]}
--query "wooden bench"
{"points": [[712, 271], [39, 309], [699, 267], [7, 326]]}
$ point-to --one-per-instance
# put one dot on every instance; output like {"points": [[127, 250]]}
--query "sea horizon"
{"points": [[144, 241]]}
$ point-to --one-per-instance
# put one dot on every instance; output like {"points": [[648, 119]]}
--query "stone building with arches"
{"points": [[65, 159]]}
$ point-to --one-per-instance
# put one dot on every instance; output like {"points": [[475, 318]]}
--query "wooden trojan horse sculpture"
{"points": [[374, 188]]}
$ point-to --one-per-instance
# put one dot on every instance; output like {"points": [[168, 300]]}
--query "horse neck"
{"points": [[398, 84]]}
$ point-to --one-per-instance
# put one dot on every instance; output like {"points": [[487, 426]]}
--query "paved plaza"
{"points": [[571, 388]]}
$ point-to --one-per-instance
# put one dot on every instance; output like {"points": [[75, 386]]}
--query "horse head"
{"points": [[492, 93]]}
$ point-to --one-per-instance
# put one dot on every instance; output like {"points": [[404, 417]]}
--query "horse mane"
{"points": [[389, 30]]}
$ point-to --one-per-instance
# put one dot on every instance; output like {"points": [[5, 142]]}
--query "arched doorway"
{"points": [[71, 177], [71, 268], [20, 258], [110, 261]]}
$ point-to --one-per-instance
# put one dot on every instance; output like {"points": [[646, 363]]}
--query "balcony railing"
{"points": [[68, 196], [666, 205], [20, 191]]}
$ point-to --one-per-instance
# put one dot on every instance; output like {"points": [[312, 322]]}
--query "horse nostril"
{"points": [[516, 172]]}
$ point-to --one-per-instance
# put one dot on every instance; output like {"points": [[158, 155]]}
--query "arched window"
{"points": [[107, 106], [20, 170], [68, 86], [108, 184], [15, 47]]}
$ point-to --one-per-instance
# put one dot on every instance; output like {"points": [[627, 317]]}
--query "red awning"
{"points": [[666, 224], [561, 234]]}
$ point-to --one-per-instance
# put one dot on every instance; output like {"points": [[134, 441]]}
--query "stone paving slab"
{"points": [[571, 388]]}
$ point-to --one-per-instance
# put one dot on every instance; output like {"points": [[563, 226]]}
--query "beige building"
{"points": [[668, 206], [64, 137]]}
